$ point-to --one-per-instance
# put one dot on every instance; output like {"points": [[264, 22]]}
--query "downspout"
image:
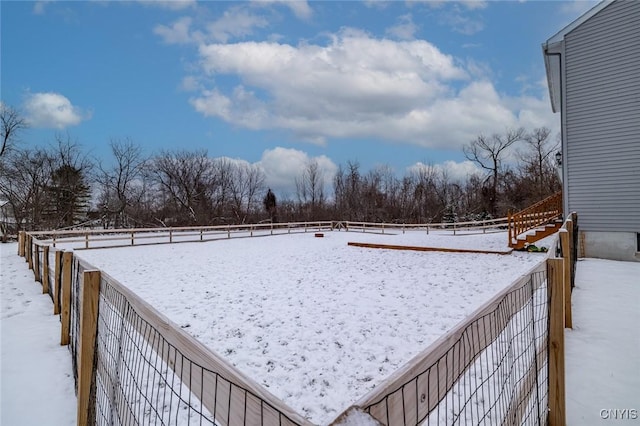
{"points": [[562, 169]]}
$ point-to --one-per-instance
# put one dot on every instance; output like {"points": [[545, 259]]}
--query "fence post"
{"points": [[567, 254], [21, 243], [57, 269], [557, 414], [65, 298], [86, 240], [36, 264], [45, 269], [88, 331]]}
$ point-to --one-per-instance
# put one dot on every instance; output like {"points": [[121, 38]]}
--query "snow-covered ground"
{"points": [[36, 371], [36, 379], [317, 322], [602, 351]]}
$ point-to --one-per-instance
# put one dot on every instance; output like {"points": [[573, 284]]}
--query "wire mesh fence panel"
{"points": [[39, 262], [143, 379], [134, 384], [51, 275], [74, 330], [574, 248], [495, 373]]}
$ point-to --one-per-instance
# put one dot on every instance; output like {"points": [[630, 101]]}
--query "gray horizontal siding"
{"points": [[602, 119]]}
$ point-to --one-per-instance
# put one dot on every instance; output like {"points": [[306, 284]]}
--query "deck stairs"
{"points": [[535, 222]]}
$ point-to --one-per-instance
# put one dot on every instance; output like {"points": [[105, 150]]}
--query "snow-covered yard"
{"points": [[317, 322], [602, 351], [36, 378]]}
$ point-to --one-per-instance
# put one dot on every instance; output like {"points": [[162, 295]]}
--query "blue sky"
{"points": [[282, 83]]}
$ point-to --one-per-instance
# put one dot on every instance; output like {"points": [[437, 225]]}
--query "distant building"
{"points": [[593, 71]]}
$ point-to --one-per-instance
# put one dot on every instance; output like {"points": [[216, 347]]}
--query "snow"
{"points": [[300, 294], [315, 321], [37, 386], [603, 348]]}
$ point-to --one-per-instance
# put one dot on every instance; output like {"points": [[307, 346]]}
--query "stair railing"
{"points": [[534, 216]]}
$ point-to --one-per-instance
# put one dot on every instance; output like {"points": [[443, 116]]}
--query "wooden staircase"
{"points": [[535, 222]]}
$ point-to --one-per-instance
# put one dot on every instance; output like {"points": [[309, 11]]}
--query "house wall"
{"points": [[602, 129]]}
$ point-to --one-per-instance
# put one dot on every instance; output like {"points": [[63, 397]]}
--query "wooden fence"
{"points": [[118, 342], [87, 239], [426, 388]]}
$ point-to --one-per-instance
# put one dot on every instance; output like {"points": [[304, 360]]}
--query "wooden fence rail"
{"points": [[86, 239]]}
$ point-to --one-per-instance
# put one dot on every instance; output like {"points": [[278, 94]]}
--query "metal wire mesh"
{"points": [[495, 373], [74, 315], [51, 275], [142, 379]]}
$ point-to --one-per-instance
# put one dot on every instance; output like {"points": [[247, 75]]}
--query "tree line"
{"points": [[60, 186]]}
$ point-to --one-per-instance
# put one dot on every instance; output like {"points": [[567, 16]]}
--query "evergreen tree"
{"points": [[69, 197], [270, 204]]}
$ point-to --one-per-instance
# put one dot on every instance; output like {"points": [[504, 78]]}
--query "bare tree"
{"points": [[488, 153], [12, 124], [187, 181], [310, 190], [121, 182], [425, 178], [246, 182], [25, 176], [348, 191], [536, 162]]}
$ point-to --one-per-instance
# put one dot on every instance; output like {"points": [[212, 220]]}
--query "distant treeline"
{"points": [[60, 186]]}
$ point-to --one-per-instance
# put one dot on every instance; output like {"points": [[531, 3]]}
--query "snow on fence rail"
{"points": [[504, 364], [482, 225], [85, 239]]}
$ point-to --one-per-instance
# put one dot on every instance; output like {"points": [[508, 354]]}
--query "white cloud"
{"points": [[52, 110], [39, 7], [358, 86], [462, 23], [345, 89], [235, 22], [474, 4], [170, 4], [455, 172], [190, 84], [177, 33], [300, 8], [574, 8], [283, 165], [439, 4], [405, 29]]}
